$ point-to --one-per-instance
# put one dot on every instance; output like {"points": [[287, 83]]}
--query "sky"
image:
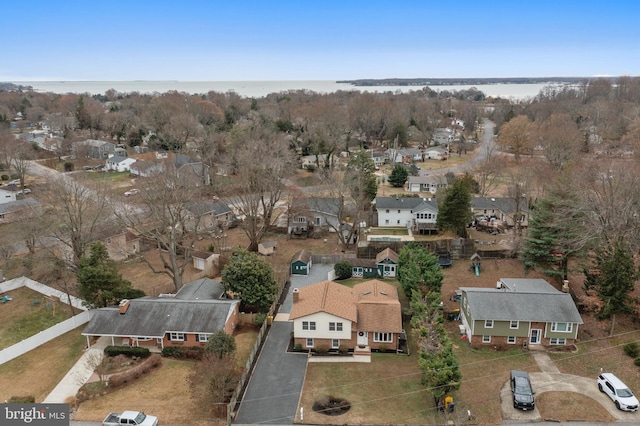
{"points": [[239, 40]]}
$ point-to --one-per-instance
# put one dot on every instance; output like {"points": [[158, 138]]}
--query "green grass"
{"points": [[112, 177]]}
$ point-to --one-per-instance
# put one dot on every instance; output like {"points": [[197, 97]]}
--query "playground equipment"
{"points": [[475, 263]]}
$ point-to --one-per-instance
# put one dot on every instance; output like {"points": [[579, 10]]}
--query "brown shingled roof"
{"points": [[378, 307], [302, 255], [325, 296], [387, 253]]}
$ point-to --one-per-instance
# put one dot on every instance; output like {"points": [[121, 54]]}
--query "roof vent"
{"points": [[366, 292], [383, 293], [493, 199]]}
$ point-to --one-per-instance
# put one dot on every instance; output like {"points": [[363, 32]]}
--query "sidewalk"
{"points": [[78, 375]]}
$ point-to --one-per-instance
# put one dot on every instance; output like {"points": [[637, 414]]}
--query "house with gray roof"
{"points": [[187, 318], [15, 210], [518, 312], [430, 183], [93, 148], [503, 209], [119, 163], [207, 215], [310, 213], [416, 213]]}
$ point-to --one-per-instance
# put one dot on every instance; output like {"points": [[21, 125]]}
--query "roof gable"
{"points": [[325, 296]]}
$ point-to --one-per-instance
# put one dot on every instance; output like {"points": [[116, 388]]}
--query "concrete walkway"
{"points": [[79, 374]]}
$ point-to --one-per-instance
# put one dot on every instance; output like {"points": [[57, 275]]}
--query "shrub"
{"points": [[259, 319], [382, 348], [127, 351], [636, 362], [298, 347], [632, 349], [343, 269], [172, 352], [121, 379], [4, 177], [342, 349], [68, 166], [28, 399], [180, 352], [322, 349]]}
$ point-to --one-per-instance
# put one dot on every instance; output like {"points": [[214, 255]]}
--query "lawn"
{"points": [[37, 372], [28, 314]]}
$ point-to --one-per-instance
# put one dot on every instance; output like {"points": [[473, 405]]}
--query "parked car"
{"points": [[24, 191], [130, 418], [619, 393], [523, 395], [133, 191]]}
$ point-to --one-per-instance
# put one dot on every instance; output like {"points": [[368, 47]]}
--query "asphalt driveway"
{"points": [[274, 389]]}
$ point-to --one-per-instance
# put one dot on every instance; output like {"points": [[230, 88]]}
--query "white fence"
{"points": [[51, 333]]}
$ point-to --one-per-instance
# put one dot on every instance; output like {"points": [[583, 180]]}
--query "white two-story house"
{"points": [[418, 214]]}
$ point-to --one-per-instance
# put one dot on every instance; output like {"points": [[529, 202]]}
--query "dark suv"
{"points": [[521, 390]]}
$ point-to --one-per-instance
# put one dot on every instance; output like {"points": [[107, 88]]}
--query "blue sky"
{"points": [[316, 40]]}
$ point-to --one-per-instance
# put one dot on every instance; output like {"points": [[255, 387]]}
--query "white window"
{"points": [[383, 337], [562, 326], [386, 222], [335, 343], [513, 324], [511, 340], [486, 339], [309, 325], [177, 337], [335, 326], [202, 337], [557, 341], [488, 323], [309, 343]]}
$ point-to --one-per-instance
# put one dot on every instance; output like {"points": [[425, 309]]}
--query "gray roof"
{"points": [[155, 316], [523, 304], [200, 208], [19, 204], [412, 203], [116, 159], [329, 206], [505, 205], [202, 289]]}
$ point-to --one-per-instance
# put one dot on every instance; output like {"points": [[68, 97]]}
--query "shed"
{"points": [[301, 263], [267, 248]]}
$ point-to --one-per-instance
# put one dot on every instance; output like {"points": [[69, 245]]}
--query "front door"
{"points": [[363, 338], [535, 336]]}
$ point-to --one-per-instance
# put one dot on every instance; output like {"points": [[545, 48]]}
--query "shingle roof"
{"points": [[378, 307], [505, 205], [523, 304], [302, 256], [200, 208], [18, 204], [154, 316], [317, 204], [325, 296], [403, 203], [387, 254], [201, 289]]}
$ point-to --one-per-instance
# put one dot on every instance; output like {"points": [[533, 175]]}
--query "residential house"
{"points": [[443, 136], [207, 262], [387, 263], [208, 215], [364, 268], [19, 209], [429, 183], [8, 194], [153, 163], [119, 163], [405, 155], [267, 248], [92, 148], [187, 318], [317, 161], [418, 214], [301, 263], [122, 245], [436, 153], [379, 158], [307, 214], [502, 209], [519, 311], [367, 316]]}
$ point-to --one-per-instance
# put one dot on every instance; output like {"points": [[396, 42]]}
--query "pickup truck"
{"points": [[130, 418]]}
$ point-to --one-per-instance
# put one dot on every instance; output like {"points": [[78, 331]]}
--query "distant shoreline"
{"points": [[467, 81]]}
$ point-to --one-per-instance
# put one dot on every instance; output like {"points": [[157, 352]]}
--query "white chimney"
{"points": [[498, 284]]}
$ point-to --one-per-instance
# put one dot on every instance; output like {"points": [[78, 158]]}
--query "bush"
{"points": [[342, 349], [259, 319], [343, 269], [298, 347], [29, 399], [382, 348], [121, 379], [636, 362], [68, 166], [632, 349], [322, 349], [4, 177], [180, 352], [127, 351]]}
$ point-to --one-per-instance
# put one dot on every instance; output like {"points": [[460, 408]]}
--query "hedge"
{"points": [[139, 351]]}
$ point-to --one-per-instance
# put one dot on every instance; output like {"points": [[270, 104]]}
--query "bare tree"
{"points": [[488, 172], [516, 135], [560, 139], [21, 155]]}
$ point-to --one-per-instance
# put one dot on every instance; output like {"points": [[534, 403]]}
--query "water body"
{"points": [[257, 89]]}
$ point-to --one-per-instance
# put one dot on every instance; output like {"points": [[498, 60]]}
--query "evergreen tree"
{"points": [[616, 279], [454, 211], [220, 344], [343, 269], [398, 176], [251, 279], [99, 282], [418, 268], [360, 174]]}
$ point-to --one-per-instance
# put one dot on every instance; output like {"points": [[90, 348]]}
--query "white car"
{"points": [[132, 192], [24, 191], [613, 387]]}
